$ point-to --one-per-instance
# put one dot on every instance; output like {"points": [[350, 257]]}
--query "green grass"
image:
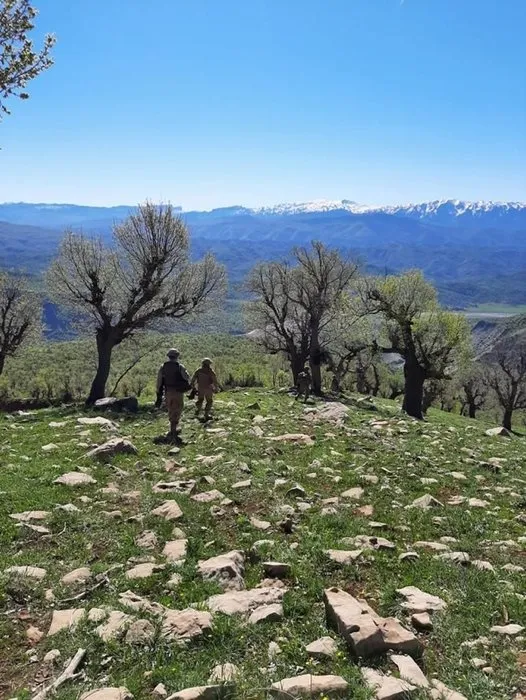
{"points": [[398, 451]]}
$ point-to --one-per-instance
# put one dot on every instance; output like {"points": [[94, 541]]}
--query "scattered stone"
{"points": [[513, 568], [146, 540], [131, 600], [50, 447], [478, 663], [34, 635], [75, 479], [29, 515], [386, 687], [51, 656], [243, 602], [266, 613], [323, 648], [363, 629], [160, 691], [442, 692], [77, 576], [114, 626], [169, 510], [369, 542], [143, 570], [510, 630], [408, 556], [433, 546], [175, 551], [65, 620], [422, 621], [97, 614], [184, 625], [174, 581], [295, 438], [409, 670], [426, 502], [482, 565], [310, 686], [202, 692], [140, 632], [416, 601], [227, 569], [275, 569], [111, 448], [260, 524], [477, 503], [33, 572], [111, 403], [99, 421], [498, 432], [340, 556], [186, 487], [355, 493], [461, 558], [247, 483], [208, 496]]}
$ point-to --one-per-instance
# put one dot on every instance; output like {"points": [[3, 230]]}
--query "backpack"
{"points": [[174, 378]]}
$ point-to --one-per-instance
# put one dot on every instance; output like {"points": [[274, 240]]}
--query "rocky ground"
{"points": [[315, 551]]}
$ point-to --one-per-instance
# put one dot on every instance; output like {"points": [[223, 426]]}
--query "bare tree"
{"points": [[295, 303], [146, 277], [473, 390], [20, 315], [507, 377], [428, 338], [19, 61]]}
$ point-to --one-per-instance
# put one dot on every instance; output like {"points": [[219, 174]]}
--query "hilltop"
{"points": [[301, 500]]}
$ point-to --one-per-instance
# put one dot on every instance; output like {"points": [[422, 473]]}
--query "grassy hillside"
{"points": [[299, 493]]}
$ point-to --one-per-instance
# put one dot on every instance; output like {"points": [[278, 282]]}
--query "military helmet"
{"points": [[206, 362], [173, 353]]}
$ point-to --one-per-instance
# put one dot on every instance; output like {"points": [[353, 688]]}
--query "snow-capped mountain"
{"points": [[314, 207]]}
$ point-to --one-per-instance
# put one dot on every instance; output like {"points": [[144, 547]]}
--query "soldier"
{"points": [[205, 381], [303, 385], [174, 380]]}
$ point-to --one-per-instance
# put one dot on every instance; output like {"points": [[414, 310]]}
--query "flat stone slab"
{"points": [[426, 502], [65, 620], [308, 686], [77, 576], [355, 493], [33, 572], [441, 692], [175, 551], [108, 693], [140, 632], [75, 479], [409, 670], [98, 421], [266, 613], [201, 692], [294, 438], [386, 687], [208, 496], [344, 557], [29, 515], [323, 648], [181, 486], [140, 604], [143, 570], [147, 540], [184, 625], [510, 630], [111, 448], [169, 510], [276, 569], [243, 602], [364, 630], [417, 601], [115, 626]]}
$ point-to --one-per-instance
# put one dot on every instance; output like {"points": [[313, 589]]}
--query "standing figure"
{"points": [[304, 384], [205, 381], [174, 381]]}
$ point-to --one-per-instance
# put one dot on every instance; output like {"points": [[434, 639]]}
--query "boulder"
{"points": [[498, 432], [409, 670], [175, 551], [323, 648], [77, 576], [416, 601], [111, 403], [310, 686], [266, 613], [184, 625], [65, 620], [227, 569], [115, 626], [111, 448], [243, 602], [367, 633]]}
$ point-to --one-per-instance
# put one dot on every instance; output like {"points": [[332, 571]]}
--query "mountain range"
{"points": [[473, 251]]}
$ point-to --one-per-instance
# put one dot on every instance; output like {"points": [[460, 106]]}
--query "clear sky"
{"points": [[215, 102]]}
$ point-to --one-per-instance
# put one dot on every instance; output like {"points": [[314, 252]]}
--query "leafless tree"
{"points": [[144, 278], [294, 303], [20, 315], [473, 390], [19, 62], [506, 374]]}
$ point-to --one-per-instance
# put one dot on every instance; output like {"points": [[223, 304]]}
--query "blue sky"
{"points": [[214, 102]]}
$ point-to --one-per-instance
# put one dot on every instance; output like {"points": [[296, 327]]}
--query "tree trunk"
{"points": [[105, 345], [506, 420], [414, 390], [296, 366], [315, 361], [2, 363], [472, 409]]}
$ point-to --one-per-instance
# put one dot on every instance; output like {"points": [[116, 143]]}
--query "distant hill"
{"points": [[475, 252]]}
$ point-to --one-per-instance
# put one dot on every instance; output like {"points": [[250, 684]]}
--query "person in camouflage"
{"points": [[174, 381], [205, 383], [304, 384]]}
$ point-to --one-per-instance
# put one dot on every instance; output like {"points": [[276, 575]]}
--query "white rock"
{"points": [[266, 613], [107, 693], [65, 620], [409, 670], [169, 510], [80, 575], [175, 551], [75, 479], [310, 686], [323, 648]]}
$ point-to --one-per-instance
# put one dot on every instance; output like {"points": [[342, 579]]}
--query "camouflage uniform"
{"points": [[174, 380], [303, 385], [205, 380]]}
